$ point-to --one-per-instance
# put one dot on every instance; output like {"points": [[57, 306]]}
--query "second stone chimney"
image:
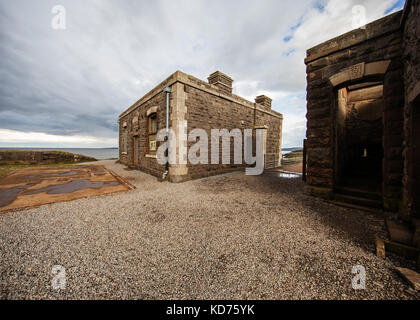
{"points": [[222, 81], [264, 101]]}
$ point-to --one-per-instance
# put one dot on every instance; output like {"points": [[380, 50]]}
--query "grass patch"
{"points": [[293, 157], [5, 168]]}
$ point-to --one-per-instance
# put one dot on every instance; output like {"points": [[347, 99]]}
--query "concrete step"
{"points": [[360, 201], [359, 193], [412, 277], [399, 232], [356, 207]]}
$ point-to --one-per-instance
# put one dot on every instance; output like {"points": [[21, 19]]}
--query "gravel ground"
{"points": [[225, 237]]}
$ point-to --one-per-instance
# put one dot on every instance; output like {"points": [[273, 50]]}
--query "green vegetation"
{"points": [[293, 157], [6, 168]]}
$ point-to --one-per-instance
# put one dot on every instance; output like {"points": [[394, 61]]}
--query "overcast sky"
{"points": [[66, 88]]}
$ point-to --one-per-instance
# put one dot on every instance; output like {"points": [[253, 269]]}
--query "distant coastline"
{"points": [[100, 153], [288, 150], [97, 153]]}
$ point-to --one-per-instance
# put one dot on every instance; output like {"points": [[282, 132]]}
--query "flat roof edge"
{"points": [[199, 84], [156, 90]]}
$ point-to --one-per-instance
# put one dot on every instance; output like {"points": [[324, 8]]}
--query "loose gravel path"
{"points": [[225, 237]]}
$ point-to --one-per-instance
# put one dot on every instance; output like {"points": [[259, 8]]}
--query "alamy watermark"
{"points": [[59, 280], [177, 152], [359, 17], [359, 280], [58, 21]]}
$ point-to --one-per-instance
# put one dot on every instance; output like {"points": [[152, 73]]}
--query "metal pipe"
{"points": [[167, 90]]}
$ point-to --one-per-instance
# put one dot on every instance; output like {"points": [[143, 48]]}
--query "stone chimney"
{"points": [[264, 101], [222, 81]]}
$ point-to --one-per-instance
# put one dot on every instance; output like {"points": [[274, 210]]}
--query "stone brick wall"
{"points": [[273, 143], [205, 105], [411, 29], [411, 43], [393, 133], [371, 54], [40, 157], [208, 112], [146, 160]]}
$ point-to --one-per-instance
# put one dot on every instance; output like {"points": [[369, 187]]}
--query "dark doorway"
{"points": [[358, 137], [413, 169]]}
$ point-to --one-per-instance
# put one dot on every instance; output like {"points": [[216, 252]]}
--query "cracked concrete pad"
{"points": [[411, 276], [32, 187]]}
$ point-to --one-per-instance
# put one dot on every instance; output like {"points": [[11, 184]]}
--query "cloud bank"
{"points": [[67, 87]]}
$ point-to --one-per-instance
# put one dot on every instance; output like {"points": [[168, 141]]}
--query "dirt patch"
{"points": [[31, 187], [297, 167]]}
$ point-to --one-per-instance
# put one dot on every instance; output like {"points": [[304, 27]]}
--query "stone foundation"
{"points": [[40, 157]]}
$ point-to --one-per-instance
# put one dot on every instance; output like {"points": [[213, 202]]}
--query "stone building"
{"points": [[205, 105], [363, 118]]}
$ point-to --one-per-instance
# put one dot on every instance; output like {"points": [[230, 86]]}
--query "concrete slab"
{"points": [[399, 232], [411, 276], [31, 187], [380, 248]]}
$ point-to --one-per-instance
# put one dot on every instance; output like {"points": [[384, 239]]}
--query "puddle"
{"points": [[288, 175], [59, 174], [9, 195], [69, 180], [284, 174], [72, 186]]}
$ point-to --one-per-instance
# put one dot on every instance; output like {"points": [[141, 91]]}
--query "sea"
{"points": [[288, 150], [97, 153]]}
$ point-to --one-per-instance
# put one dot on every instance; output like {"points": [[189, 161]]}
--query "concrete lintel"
{"points": [[152, 110], [358, 71]]}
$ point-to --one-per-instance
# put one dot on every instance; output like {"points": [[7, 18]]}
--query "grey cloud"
{"points": [[79, 80]]}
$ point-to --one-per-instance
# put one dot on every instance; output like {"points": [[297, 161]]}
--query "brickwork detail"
{"points": [[341, 62], [386, 53]]}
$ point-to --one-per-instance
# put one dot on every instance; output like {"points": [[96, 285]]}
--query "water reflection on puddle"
{"points": [[283, 174], [288, 175], [58, 174], [7, 196], [72, 186]]}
